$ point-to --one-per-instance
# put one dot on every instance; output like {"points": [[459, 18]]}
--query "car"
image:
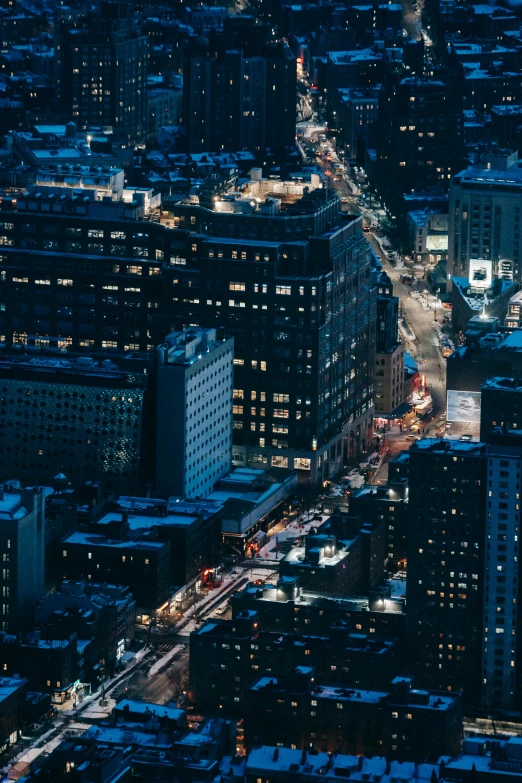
{"points": [[221, 610], [344, 201], [366, 229], [466, 438], [409, 436]]}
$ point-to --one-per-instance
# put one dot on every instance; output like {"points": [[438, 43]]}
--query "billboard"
{"points": [[480, 273], [437, 242], [463, 406]]}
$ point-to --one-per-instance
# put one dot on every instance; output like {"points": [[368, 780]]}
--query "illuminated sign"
{"points": [[480, 273], [463, 406], [437, 242]]}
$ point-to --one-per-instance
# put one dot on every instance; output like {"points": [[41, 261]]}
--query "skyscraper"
{"points": [[239, 99], [421, 138], [22, 546], [194, 377], [293, 287], [484, 220], [501, 643], [102, 71], [277, 266], [389, 354], [446, 534]]}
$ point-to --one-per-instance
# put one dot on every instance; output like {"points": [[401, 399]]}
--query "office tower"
{"points": [[239, 99], [101, 68], [281, 78], [78, 416], [389, 351], [194, 377], [484, 220], [294, 290], [421, 140], [501, 643], [22, 544], [500, 406], [447, 526], [96, 280], [278, 267], [356, 116]]}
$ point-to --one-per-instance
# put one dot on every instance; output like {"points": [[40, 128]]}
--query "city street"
{"points": [[425, 348], [417, 324]]}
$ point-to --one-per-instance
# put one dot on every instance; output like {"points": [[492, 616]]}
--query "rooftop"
{"points": [[9, 685], [144, 521], [268, 593], [438, 445], [336, 766], [95, 539], [353, 56], [297, 556], [11, 507], [147, 709], [503, 384], [118, 367]]}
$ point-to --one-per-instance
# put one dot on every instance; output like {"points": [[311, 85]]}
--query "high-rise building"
{"points": [[446, 534], [101, 68], [22, 544], [501, 641], [194, 379], [277, 267], [280, 111], [421, 139], [484, 221], [389, 350], [500, 406], [294, 289], [80, 416], [240, 98]]}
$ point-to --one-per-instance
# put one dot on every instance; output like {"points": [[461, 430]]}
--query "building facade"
{"points": [[239, 98], [501, 648], [400, 722], [194, 377], [389, 351], [101, 71], [143, 565], [484, 220], [76, 415], [446, 564], [22, 544], [292, 286]]}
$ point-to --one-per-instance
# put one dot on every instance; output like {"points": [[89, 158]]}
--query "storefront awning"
{"points": [[400, 411]]}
